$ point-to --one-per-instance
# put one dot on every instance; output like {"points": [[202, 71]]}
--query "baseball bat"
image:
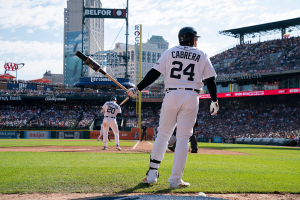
{"points": [[97, 68], [124, 101]]}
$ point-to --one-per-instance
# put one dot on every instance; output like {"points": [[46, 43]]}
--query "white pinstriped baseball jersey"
{"points": [[185, 67], [111, 109]]}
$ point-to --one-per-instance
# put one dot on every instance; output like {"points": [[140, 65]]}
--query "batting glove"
{"points": [[214, 107], [133, 92]]}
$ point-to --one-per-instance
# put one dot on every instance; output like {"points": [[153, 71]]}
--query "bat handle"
{"points": [[124, 101], [81, 56]]}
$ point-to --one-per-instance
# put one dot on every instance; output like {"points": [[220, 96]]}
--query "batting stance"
{"points": [[184, 66], [110, 110]]}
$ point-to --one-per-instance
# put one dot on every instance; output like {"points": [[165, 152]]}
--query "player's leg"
{"points": [[171, 142], [145, 136], [194, 144], [185, 121], [101, 132], [166, 127], [142, 136], [105, 133], [114, 127]]}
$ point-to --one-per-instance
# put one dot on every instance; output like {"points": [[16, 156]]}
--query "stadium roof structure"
{"points": [[7, 76], [41, 80], [263, 29]]}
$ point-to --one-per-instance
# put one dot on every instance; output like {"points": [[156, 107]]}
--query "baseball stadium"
{"points": [[50, 146]]}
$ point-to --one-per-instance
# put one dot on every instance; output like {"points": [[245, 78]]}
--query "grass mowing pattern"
{"points": [[265, 170]]}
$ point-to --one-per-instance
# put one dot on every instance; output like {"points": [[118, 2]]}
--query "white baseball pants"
{"points": [[172, 140], [101, 132], [112, 123], [179, 107]]}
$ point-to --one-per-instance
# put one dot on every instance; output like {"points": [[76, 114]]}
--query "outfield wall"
{"points": [[132, 134], [267, 141]]}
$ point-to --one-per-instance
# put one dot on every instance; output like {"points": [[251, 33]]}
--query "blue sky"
{"points": [[31, 31]]}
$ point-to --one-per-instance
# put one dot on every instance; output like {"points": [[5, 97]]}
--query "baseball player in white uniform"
{"points": [[110, 110], [184, 67]]}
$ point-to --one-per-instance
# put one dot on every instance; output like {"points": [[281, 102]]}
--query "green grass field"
{"points": [[266, 169]]}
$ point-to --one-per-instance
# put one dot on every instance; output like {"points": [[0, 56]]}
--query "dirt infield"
{"points": [[140, 147]]}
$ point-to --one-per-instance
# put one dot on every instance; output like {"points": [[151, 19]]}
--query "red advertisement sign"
{"points": [[254, 93], [13, 66]]}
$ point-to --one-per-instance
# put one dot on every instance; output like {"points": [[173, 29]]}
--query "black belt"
{"points": [[196, 90], [109, 117]]}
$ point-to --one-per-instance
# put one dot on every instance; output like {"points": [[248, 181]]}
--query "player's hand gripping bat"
{"points": [[97, 68]]}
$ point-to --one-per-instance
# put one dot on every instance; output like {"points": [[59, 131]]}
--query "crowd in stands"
{"points": [[149, 117], [271, 120], [56, 117], [88, 116], [256, 58], [251, 121], [70, 93], [16, 116]]}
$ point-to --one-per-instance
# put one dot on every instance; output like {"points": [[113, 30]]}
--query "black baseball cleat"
{"points": [[194, 151], [171, 148]]}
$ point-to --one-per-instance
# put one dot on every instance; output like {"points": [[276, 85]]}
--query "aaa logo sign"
{"points": [[12, 66]]}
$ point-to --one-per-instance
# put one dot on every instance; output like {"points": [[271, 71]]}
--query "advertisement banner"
{"points": [[37, 134], [20, 86], [69, 134], [10, 98], [125, 135], [253, 93], [104, 13], [8, 134], [46, 88], [217, 140], [12, 86]]}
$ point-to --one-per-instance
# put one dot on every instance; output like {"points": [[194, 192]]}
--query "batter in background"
{"points": [[184, 67], [144, 132], [110, 110]]}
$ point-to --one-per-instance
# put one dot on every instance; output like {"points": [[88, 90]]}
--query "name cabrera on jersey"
{"points": [[185, 67], [111, 109]]}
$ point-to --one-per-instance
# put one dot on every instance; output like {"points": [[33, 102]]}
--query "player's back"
{"points": [[111, 109], [184, 67]]}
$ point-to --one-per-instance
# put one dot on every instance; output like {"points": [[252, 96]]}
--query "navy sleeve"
{"points": [[150, 77], [212, 88]]}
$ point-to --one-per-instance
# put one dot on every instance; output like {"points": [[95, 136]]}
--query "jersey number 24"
{"points": [[189, 70]]}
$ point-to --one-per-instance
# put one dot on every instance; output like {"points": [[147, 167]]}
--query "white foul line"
{"points": [[135, 145], [150, 143]]}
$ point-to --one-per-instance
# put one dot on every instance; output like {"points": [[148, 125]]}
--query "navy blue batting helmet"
{"points": [[187, 34], [113, 99]]}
